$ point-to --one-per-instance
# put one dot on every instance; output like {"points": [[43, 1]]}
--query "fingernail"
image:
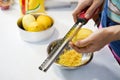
{"points": [[87, 15], [70, 43], [77, 43]]}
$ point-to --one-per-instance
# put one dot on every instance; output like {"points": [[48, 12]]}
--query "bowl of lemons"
{"points": [[69, 58], [36, 27]]}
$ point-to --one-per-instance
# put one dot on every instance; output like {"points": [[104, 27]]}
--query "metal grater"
{"points": [[59, 48]]}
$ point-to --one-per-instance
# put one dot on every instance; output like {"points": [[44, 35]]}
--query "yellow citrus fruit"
{"points": [[35, 27], [30, 23], [82, 34], [27, 19], [45, 20]]}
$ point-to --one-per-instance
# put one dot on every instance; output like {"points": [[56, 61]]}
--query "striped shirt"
{"points": [[114, 10]]}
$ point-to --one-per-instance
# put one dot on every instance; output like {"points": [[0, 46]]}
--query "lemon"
{"points": [[35, 27], [30, 23], [45, 20], [27, 19], [82, 34]]}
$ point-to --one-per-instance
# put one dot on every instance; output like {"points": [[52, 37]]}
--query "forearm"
{"points": [[114, 32]]}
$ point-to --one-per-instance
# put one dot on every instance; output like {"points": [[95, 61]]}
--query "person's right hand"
{"points": [[92, 4]]}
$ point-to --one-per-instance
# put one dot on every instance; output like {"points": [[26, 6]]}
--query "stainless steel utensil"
{"points": [[86, 57]]}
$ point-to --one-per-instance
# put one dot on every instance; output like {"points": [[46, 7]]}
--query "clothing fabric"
{"points": [[110, 16], [113, 11]]}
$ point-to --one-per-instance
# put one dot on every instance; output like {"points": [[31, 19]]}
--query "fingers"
{"points": [[93, 9], [86, 49], [82, 43], [79, 8], [94, 4]]}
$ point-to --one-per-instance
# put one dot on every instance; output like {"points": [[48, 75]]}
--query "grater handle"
{"points": [[81, 16]]}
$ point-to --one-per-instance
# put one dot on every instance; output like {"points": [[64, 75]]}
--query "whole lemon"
{"points": [[34, 24], [27, 19], [35, 27], [45, 20], [82, 34]]}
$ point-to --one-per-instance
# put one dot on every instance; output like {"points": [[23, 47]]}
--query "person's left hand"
{"points": [[94, 42]]}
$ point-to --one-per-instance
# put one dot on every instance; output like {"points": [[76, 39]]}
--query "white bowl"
{"points": [[35, 36]]}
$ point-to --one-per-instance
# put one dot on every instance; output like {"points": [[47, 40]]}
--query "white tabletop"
{"points": [[19, 60]]}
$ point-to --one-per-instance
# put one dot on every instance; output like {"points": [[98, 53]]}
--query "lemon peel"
{"points": [[70, 58], [35, 27], [27, 19], [45, 20], [35, 24]]}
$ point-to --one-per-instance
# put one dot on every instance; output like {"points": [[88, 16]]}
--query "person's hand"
{"points": [[94, 7], [97, 40]]}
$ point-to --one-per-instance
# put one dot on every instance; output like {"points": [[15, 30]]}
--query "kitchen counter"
{"points": [[19, 60]]}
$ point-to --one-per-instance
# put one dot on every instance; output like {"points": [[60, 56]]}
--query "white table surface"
{"points": [[19, 60]]}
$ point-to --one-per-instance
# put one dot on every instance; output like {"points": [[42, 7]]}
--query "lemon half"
{"points": [[82, 34]]}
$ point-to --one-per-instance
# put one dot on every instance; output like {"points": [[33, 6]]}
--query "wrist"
{"points": [[113, 32]]}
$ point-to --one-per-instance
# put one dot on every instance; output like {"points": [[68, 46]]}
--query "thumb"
{"points": [[82, 43]]}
